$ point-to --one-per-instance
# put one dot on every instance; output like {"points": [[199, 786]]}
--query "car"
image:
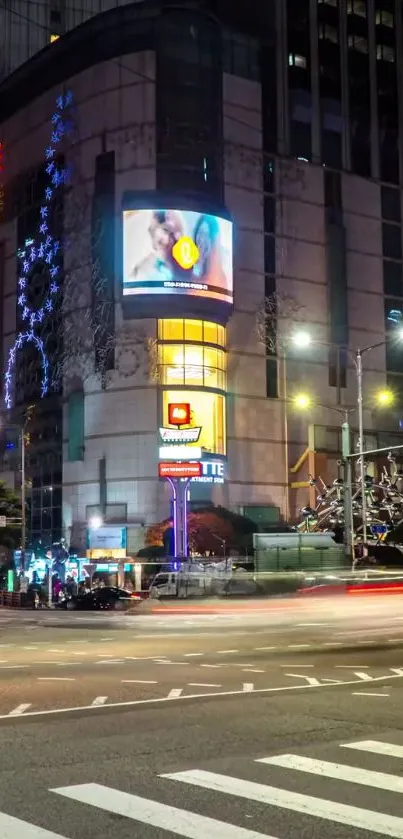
{"points": [[107, 598]]}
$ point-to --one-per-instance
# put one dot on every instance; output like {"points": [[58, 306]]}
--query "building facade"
{"points": [[284, 123]]}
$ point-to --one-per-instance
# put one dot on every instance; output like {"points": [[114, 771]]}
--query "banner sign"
{"points": [[180, 435], [179, 470]]}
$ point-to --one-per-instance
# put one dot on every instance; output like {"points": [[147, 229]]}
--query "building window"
{"points": [[193, 365], [358, 43], [385, 53], [390, 203], [392, 241], [75, 423], [295, 60], [384, 18], [203, 331], [241, 56], [328, 33], [207, 412], [392, 278], [357, 7]]}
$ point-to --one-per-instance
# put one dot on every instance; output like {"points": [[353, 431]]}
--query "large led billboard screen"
{"points": [[177, 253]]}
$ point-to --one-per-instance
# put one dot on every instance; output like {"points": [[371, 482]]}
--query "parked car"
{"points": [[107, 597]]}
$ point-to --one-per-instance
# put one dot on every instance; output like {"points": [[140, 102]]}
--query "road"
{"points": [[227, 729]]}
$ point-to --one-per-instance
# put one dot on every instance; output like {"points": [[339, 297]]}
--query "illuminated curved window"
{"points": [[192, 364], [207, 413], [199, 331]]}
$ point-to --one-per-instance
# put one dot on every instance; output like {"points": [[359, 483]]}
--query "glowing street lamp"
{"points": [[302, 401], [95, 522], [301, 338], [385, 398]]}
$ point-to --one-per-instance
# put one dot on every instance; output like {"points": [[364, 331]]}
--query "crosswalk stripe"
{"points": [[339, 771], [12, 828], [163, 816], [376, 747], [321, 808]]}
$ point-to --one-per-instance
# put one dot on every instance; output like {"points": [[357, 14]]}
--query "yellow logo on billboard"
{"points": [[185, 252]]}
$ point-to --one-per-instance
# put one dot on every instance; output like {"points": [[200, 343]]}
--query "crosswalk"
{"points": [[174, 820]]}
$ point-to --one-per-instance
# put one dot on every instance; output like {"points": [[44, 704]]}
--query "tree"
{"points": [[214, 530], [10, 507]]}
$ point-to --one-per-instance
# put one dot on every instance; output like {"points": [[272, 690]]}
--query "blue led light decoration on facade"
{"points": [[42, 251]]}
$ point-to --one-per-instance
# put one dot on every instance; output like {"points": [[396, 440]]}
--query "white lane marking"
{"points": [[332, 644], [351, 666], [248, 687], [175, 693], [362, 675], [54, 679], [4, 661], [55, 651], [158, 700], [297, 665], [106, 639], [397, 670], [366, 693], [138, 682], [162, 816], [310, 679], [16, 712], [162, 661], [333, 681], [78, 653], [6, 646], [250, 670], [212, 666], [324, 768], [313, 624], [99, 700], [202, 685], [110, 661], [104, 655], [17, 666], [12, 828], [30, 647], [192, 655], [334, 811], [226, 652], [376, 747], [298, 646]]}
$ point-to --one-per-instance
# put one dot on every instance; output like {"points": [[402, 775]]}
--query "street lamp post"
{"points": [[23, 504], [358, 362]]}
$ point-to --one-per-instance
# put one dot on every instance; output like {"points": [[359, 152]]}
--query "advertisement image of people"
{"points": [[177, 252]]}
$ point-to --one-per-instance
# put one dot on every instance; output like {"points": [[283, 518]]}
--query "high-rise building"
{"points": [[280, 122]]}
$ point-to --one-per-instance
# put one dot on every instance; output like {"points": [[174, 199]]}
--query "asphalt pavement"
{"points": [[149, 729]]}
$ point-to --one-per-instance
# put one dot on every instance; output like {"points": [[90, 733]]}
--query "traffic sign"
{"points": [[3, 521], [378, 529]]}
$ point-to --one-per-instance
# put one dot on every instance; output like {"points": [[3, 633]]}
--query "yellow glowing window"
{"points": [[54, 38], [175, 329], [193, 330], [207, 412], [170, 329], [192, 364]]}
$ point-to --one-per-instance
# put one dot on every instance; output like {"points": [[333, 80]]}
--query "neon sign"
{"points": [[1, 180], [42, 251]]}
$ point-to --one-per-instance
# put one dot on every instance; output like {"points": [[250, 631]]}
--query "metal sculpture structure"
{"points": [[384, 502]]}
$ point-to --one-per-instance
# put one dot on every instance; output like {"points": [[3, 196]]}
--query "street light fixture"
{"points": [[302, 401]]}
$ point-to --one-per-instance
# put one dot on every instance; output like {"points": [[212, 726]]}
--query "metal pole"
{"points": [[348, 491], [23, 504], [50, 584], [286, 452], [361, 445]]}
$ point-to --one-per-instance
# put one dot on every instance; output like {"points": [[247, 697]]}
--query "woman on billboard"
{"points": [[209, 269], [165, 228]]}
